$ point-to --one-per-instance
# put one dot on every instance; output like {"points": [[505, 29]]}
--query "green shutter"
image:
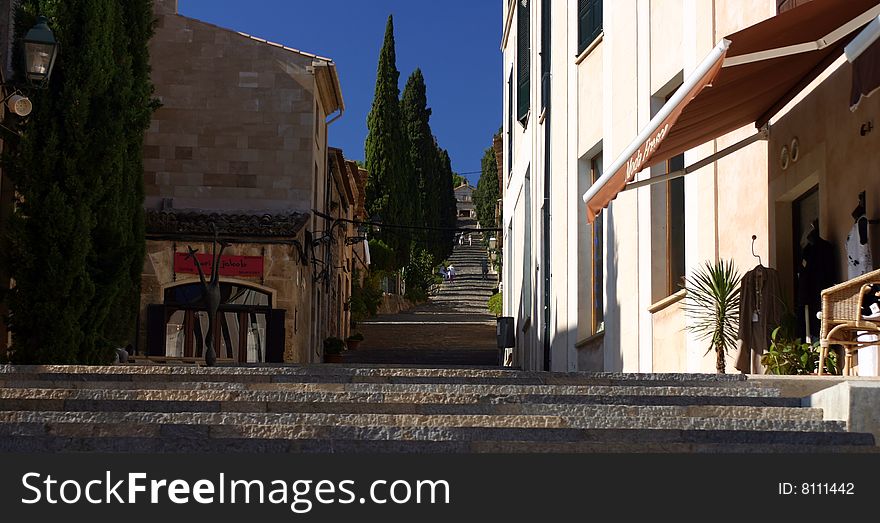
{"points": [[522, 60], [589, 22]]}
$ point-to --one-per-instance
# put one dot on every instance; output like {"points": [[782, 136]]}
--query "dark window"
{"points": [[545, 53], [675, 226], [522, 60], [510, 124], [589, 22], [597, 277]]}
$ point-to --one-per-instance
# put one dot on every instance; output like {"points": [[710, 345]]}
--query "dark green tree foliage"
{"points": [[76, 243], [419, 274], [392, 190], [486, 193], [425, 162], [381, 256], [449, 214]]}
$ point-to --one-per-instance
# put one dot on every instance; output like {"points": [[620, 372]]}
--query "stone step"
{"points": [[568, 394], [14, 375], [434, 427], [352, 402], [612, 443], [424, 356]]}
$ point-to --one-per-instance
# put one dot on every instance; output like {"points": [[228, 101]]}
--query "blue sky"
{"points": [[455, 43]]}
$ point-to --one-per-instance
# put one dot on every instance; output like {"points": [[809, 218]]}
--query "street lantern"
{"points": [[40, 50]]}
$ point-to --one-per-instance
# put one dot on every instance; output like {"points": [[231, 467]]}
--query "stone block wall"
{"points": [[240, 126]]}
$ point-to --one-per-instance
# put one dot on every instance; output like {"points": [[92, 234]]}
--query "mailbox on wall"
{"points": [[504, 332]]}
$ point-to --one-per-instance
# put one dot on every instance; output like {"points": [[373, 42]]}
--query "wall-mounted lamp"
{"points": [[40, 52], [866, 127]]}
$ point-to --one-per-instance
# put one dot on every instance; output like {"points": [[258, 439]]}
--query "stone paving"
{"points": [[453, 328], [338, 408]]}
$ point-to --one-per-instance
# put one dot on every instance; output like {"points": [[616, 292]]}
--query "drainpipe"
{"points": [[328, 255], [546, 218]]}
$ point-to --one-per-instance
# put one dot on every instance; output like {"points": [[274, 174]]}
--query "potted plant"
{"points": [[788, 355], [713, 307], [354, 340], [333, 348]]}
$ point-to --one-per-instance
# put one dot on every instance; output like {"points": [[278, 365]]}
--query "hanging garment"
{"points": [[759, 314], [858, 250]]}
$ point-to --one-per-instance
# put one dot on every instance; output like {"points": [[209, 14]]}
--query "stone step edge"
{"points": [[199, 445], [406, 408], [387, 433], [412, 388], [315, 394], [383, 370], [414, 421]]}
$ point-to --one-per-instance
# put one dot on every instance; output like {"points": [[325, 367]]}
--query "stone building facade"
{"points": [[239, 144], [464, 201]]}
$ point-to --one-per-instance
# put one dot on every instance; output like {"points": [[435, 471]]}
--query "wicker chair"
{"points": [[842, 320]]}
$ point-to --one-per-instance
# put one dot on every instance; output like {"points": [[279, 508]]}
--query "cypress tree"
{"points": [[424, 159], [391, 189], [486, 193], [449, 215], [76, 242]]}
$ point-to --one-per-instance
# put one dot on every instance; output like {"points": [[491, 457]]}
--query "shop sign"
{"points": [[238, 266]]}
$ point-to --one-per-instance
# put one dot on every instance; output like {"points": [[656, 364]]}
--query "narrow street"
{"points": [[453, 328]]}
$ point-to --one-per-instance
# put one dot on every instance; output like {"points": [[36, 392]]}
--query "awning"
{"points": [[748, 77], [864, 54]]}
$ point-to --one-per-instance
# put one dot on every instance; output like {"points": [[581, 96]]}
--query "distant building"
{"points": [[240, 144], [464, 201]]}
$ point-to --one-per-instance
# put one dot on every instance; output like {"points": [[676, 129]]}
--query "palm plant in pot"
{"points": [[333, 348], [712, 306]]}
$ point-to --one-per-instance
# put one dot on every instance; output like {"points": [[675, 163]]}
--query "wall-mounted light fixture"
{"points": [[40, 52]]}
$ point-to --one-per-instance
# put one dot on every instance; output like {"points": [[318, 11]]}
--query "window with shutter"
{"points": [[589, 22], [510, 124], [522, 60]]}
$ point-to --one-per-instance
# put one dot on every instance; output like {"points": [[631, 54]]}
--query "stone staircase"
{"points": [[454, 328], [336, 408]]}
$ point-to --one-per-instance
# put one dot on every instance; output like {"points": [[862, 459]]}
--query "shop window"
{"points": [[177, 327]]}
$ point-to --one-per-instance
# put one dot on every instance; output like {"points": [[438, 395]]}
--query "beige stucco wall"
{"points": [[833, 155], [669, 339], [288, 281], [666, 41], [237, 126]]}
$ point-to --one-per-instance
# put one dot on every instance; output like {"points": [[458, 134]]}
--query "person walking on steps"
{"points": [[485, 268], [451, 272]]}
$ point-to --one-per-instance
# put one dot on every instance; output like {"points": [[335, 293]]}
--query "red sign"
{"points": [[244, 266]]}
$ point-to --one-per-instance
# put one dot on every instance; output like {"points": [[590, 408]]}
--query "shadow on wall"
{"points": [[613, 331]]}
